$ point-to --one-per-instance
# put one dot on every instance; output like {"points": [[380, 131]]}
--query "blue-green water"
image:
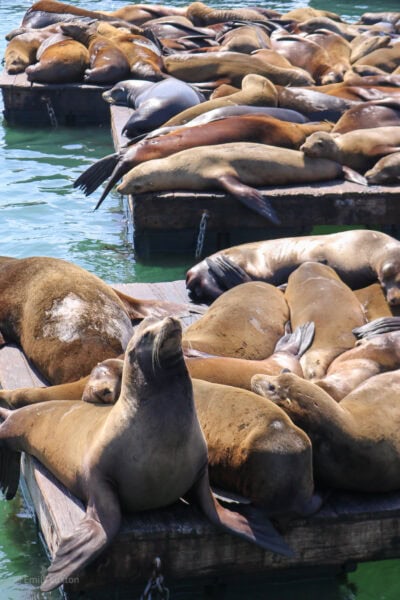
{"points": [[41, 214]]}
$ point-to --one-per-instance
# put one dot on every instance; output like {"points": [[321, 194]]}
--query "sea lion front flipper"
{"points": [[251, 524], [352, 175], [250, 197], [96, 530], [298, 342], [377, 327], [226, 273], [94, 175]]}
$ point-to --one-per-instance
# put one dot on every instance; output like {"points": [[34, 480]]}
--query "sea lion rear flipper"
{"points": [[377, 327], [298, 342], [251, 524], [352, 175], [96, 530], [226, 273], [94, 176], [250, 197]]}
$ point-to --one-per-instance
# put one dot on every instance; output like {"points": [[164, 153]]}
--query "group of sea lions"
{"points": [[172, 65], [285, 385]]}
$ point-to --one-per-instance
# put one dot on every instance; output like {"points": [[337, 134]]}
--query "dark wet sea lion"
{"points": [[47, 12], [360, 257], [263, 129], [314, 291], [63, 62], [356, 444], [89, 460], [238, 168], [65, 318]]}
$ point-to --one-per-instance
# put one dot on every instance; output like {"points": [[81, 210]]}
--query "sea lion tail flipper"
{"points": [[376, 327], [352, 175], [121, 168], [250, 197], [251, 523], [298, 342], [96, 530], [226, 273], [94, 176]]}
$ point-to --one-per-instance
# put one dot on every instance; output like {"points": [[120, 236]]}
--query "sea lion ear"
{"points": [[388, 270]]}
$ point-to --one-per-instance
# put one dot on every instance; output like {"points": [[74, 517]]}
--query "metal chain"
{"points": [[201, 234], [51, 111], [155, 588]]}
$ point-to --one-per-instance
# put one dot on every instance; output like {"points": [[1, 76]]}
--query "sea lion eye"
{"points": [[271, 387]]}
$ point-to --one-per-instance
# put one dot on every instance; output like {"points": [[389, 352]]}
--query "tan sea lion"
{"points": [[385, 171], [65, 318], [380, 113], [314, 291], [365, 43], [262, 129], [238, 168], [255, 90], [202, 15], [360, 257], [356, 444], [307, 12], [387, 59], [88, 461], [246, 322], [64, 62], [338, 50], [232, 66], [21, 51], [373, 302], [359, 149], [246, 39]]}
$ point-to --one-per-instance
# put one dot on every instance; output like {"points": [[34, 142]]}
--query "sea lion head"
{"points": [[286, 390], [320, 144], [104, 384], [389, 278]]}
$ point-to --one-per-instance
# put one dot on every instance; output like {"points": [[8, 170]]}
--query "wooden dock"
{"points": [[170, 221], [196, 556]]}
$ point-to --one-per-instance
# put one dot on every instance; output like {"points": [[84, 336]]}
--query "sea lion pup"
{"points": [[359, 149], [313, 291], [360, 257], [246, 128], [156, 396], [255, 90], [386, 171], [232, 67], [376, 113], [237, 168], [64, 318], [246, 322], [63, 62], [356, 444]]}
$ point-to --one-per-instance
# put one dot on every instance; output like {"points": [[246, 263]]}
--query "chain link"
{"points": [[51, 111], [202, 233], [155, 588]]}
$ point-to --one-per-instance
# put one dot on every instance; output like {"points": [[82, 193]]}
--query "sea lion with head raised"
{"points": [[314, 291], [360, 257], [144, 452], [237, 168], [356, 443], [262, 129], [65, 318]]}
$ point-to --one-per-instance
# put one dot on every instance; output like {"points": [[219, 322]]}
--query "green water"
{"points": [[41, 214]]}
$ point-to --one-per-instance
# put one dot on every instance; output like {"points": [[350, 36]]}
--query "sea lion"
{"points": [[63, 62], [245, 39], [65, 318], [360, 257], [237, 168], [262, 129], [387, 59], [313, 291], [373, 302], [370, 18], [380, 113], [141, 13], [365, 43], [315, 105], [21, 51], [356, 443], [202, 15], [385, 171], [233, 67], [359, 149], [338, 50], [245, 323], [89, 463], [307, 12]]}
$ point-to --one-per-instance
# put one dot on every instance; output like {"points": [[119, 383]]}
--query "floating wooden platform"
{"points": [[169, 221], [195, 555], [36, 104]]}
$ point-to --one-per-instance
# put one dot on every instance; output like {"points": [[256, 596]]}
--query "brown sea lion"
{"points": [[255, 90], [245, 323], [359, 256], [387, 59], [141, 13], [64, 62], [65, 318], [314, 291], [202, 15], [373, 302], [356, 443], [21, 51], [245, 39], [379, 113], [238, 168], [307, 12], [386, 171], [365, 43], [369, 18], [338, 50], [263, 129], [359, 149], [232, 66], [88, 461]]}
